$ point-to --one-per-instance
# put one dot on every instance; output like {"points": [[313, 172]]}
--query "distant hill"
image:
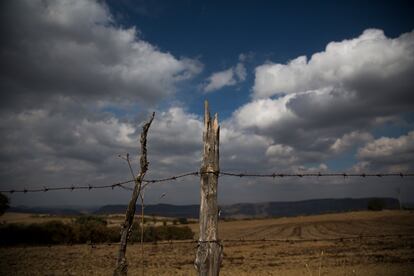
{"points": [[165, 210], [259, 210], [240, 210], [53, 210], [306, 207]]}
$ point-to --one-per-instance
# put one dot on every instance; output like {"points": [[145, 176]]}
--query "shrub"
{"points": [[91, 229], [113, 234], [84, 230], [376, 204], [4, 203], [52, 232], [90, 219]]}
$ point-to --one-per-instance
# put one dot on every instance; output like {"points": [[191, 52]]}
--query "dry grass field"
{"points": [[298, 250], [31, 218]]}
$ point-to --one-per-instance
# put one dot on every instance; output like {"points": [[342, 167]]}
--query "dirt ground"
{"points": [[373, 243]]}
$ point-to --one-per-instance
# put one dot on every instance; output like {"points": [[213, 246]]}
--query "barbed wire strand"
{"points": [[223, 173], [70, 188], [265, 240], [281, 175]]}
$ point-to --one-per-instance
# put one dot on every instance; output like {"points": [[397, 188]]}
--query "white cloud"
{"points": [[371, 55], [176, 132], [229, 77], [394, 148], [350, 139], [283, 154], [263, 113], [321, 168], [279, 150], [241, 150], [387, 154], [240, 72], [220, 79]]}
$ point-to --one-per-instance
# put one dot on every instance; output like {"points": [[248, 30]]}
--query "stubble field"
{"points": [[359, 243]]}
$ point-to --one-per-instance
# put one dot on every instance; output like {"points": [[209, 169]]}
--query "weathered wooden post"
{"points": [[209, 252], [121, 268]]}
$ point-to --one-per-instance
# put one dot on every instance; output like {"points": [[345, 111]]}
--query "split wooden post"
{"points": [[209, 252]]}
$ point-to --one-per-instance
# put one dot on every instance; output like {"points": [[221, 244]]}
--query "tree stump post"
{"points": [[121, 268], [209, 251]]}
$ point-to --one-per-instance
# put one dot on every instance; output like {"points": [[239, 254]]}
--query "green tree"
{"points": [[4, 203]]}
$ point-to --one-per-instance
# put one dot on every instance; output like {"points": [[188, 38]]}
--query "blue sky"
{"points": [[298, 86]]}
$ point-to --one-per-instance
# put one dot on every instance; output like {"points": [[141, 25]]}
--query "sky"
{"points": [[299, 86]]}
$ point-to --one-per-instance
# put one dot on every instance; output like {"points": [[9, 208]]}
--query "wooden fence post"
{"points": [[209, 252], [121, 268]]}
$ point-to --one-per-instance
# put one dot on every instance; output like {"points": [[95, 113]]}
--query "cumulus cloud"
{"points": [[176, 140], [229, 77], [391, 153], [220, 79], [281, 154], [241, 150], [349, 63], [76, 49], [317, 109], [262, 113], [240, 72], [350, 139]]}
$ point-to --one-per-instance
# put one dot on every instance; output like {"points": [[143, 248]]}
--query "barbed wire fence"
{"points": [[225, 174], [197, 174]]}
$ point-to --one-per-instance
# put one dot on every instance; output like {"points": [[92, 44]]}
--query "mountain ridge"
{"points": [[238, 210]]}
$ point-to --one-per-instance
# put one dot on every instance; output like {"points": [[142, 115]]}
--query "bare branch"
{"points": [[130, 167], [129, 164]]}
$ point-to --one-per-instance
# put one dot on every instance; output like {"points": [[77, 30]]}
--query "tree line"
{"points": [[85, 229]]}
